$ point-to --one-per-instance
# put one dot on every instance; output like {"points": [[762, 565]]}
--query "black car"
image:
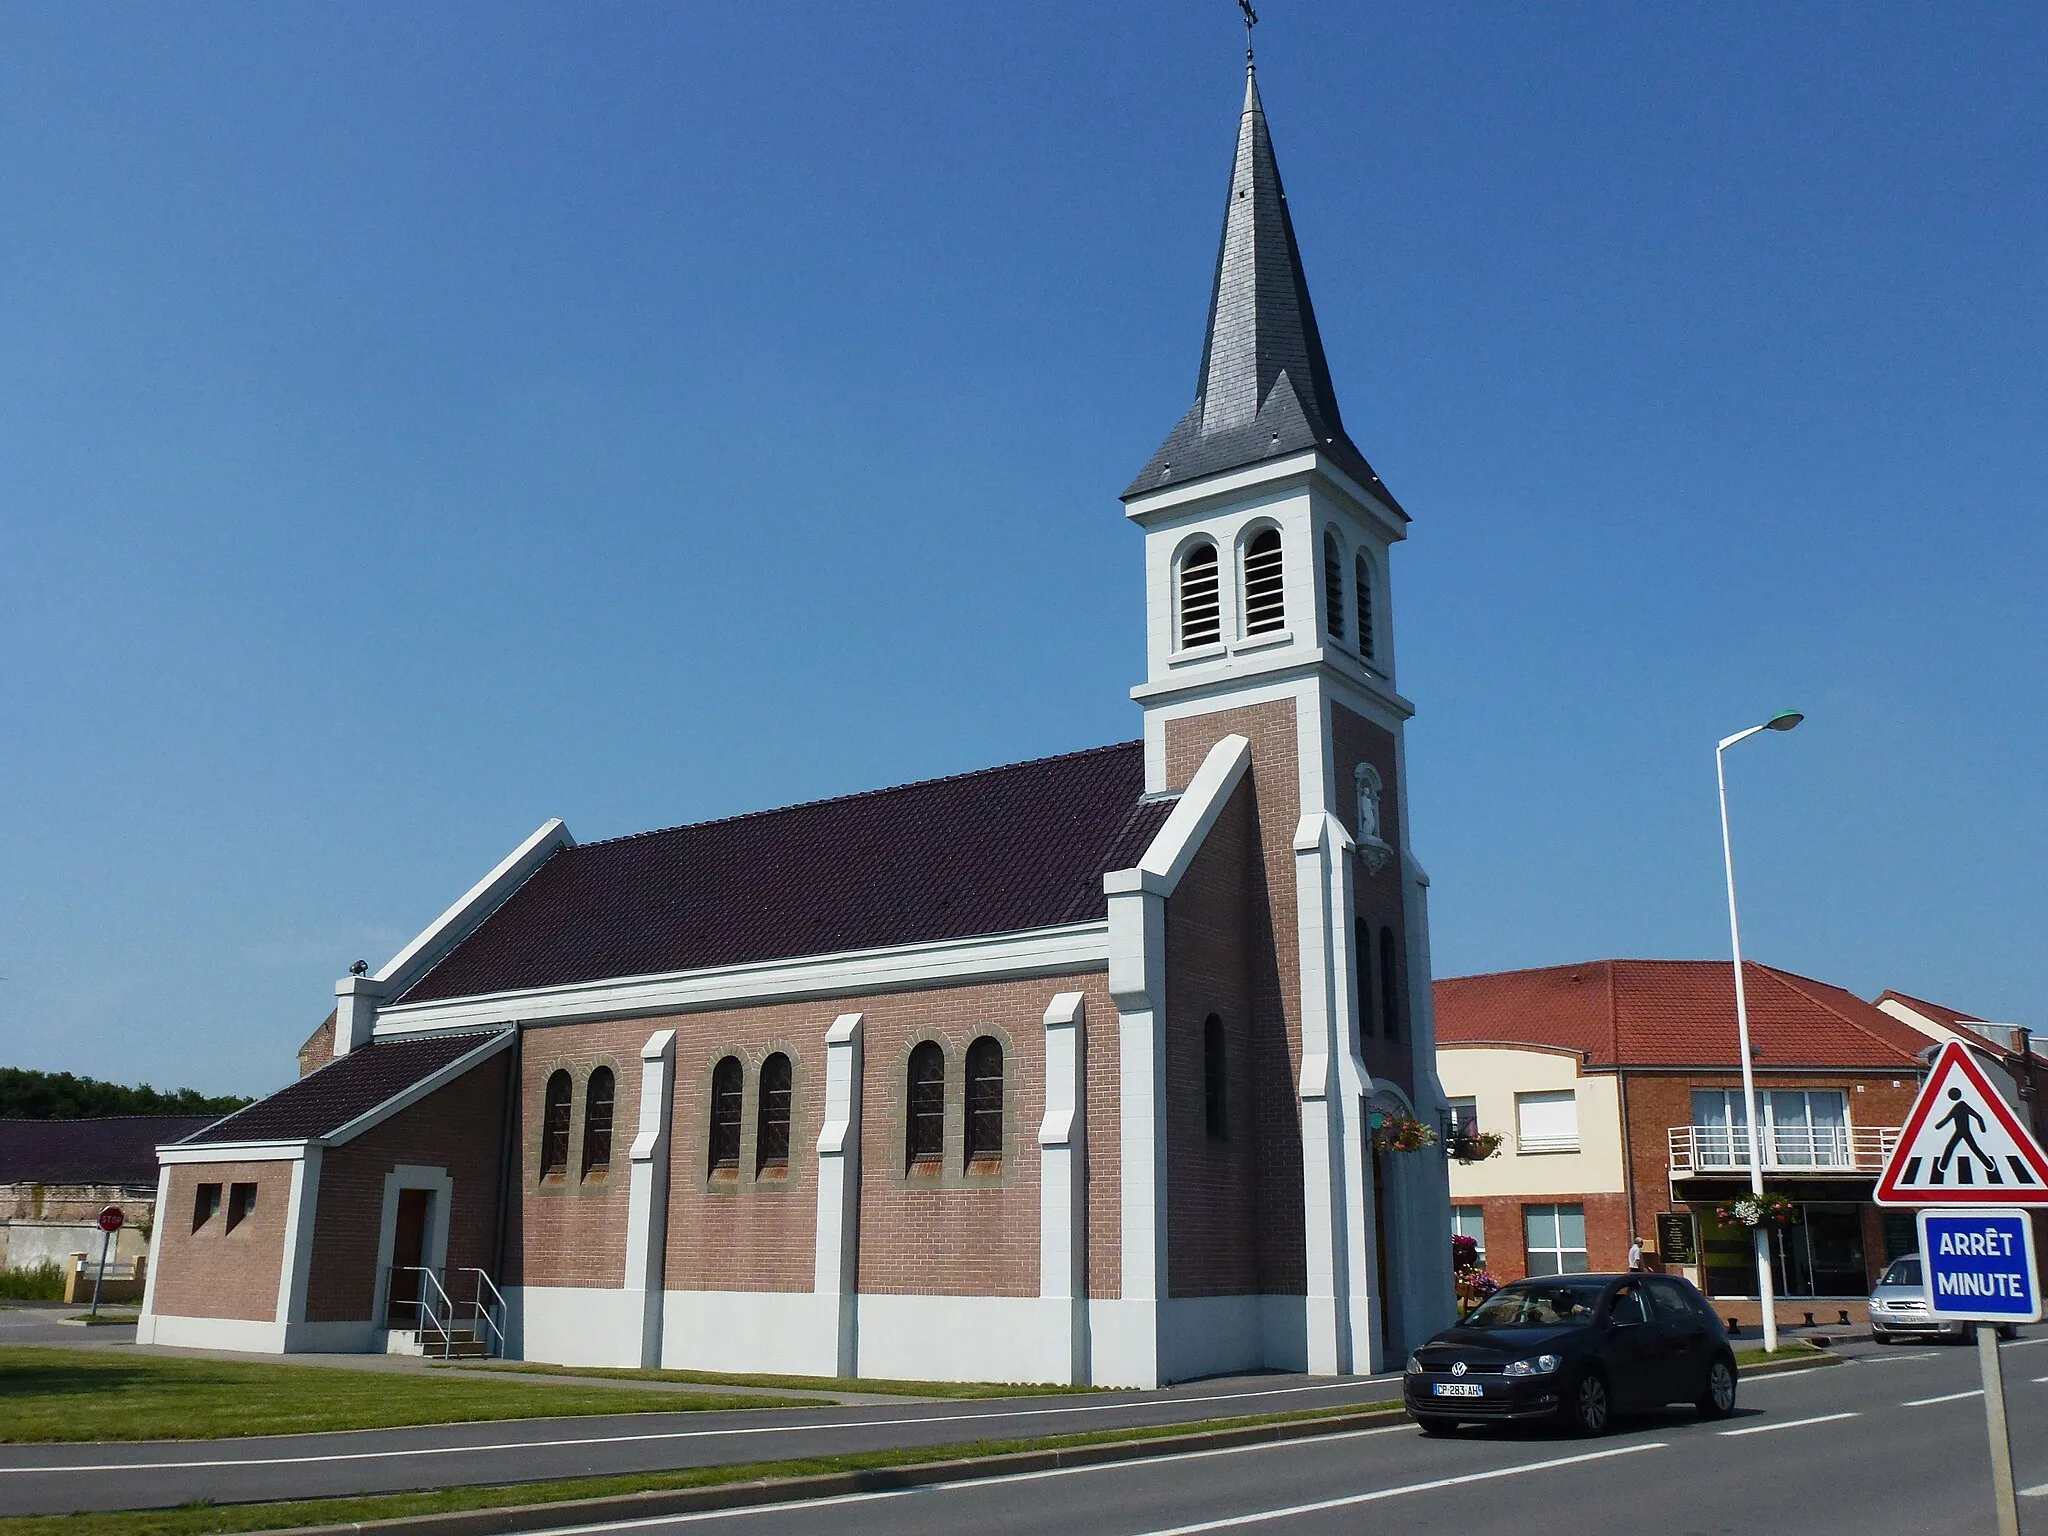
{"points": [[1575, 1348]]}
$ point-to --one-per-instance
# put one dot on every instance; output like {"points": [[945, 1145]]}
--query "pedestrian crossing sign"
{"points": [[1963, 1144]]}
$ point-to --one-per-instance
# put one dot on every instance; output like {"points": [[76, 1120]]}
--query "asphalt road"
{"points": [[1894, 1443], [1883, 1444]]}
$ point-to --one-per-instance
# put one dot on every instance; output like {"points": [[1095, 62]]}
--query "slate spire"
{"points": [[1264, 390]]}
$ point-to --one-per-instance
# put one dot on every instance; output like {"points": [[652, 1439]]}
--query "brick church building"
{"points": [[1061, 1071]]}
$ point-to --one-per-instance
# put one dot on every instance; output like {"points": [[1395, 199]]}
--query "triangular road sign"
{"points": [[1962, 1144]]}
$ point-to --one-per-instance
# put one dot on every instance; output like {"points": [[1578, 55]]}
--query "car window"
{"points": [[1628, 1306], [1672, 1304], [1540, 1304], [1904, 1271]]}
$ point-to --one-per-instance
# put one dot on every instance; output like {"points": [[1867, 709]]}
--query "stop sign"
{"points": [[111, 1219]]}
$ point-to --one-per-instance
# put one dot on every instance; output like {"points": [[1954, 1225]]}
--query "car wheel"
{"points": [[1589, 1407], [1436, 1426], [2008, 1331], [1718, 1401], [1883, 1338]]}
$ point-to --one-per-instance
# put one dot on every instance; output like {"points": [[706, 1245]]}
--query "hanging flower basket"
{"points": [[1400, 1133], [1765, 1210], [1475, 1146]]}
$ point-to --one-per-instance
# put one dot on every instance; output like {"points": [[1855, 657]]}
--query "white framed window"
{"points": [[1547, 1122], [1470, 1221], [1265, 584], [1802, 1128], [1554, 1238], [1464, 1116], [1200, 597]]}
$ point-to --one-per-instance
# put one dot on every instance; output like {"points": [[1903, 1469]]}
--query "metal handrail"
{"points": [[1812, 1149], [491, 1316]]}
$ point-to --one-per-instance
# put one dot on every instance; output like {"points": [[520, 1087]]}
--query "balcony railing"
{"points": [[1786, 1148]]}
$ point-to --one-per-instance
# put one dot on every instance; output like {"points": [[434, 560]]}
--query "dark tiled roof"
{"points": [[116, 1149], [998, 851], [1641, 1013], [353, 1085], [1264, 390]]}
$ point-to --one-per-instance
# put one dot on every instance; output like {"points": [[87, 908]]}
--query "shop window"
{"points": [[1470, 1221], [1554, 1237], [771, 1139]]}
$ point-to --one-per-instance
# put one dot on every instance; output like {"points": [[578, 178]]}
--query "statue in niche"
{"points": [[1372, 844]]}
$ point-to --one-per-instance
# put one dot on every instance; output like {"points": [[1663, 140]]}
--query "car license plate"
{"points": [[1459, 1389]]}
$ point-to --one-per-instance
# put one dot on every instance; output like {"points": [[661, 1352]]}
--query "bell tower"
{"points": [[1269, 615]]}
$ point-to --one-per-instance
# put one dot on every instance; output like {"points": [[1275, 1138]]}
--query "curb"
{"points": [[789, 1490], [1797, 1363]]}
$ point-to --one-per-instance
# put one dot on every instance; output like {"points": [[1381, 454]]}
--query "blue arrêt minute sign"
{"points": [[1980, 1265]]}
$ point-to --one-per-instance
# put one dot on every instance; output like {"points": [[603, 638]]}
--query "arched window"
{"points": [[554, 1127], [771, 1139], [1389, 1000], [925, 1109], [1215, 1107], [728, 1088], [1201, 597], [1333, 585], [985, 1100], [1364, 585], [1265, 598], [1361, 936], [597, 1122]]}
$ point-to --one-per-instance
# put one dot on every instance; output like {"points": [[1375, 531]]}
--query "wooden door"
{"points": [[408, 1251]]}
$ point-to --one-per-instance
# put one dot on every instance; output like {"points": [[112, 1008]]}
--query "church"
{"points": [[1099, 1068]]}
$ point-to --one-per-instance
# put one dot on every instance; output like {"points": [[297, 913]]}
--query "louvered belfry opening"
{"points": [[1201, 597], [1333, 586], [1364, 584], [597, 1123], [1265, 598], [925, 1128], [771, 1142], [985, 1101], [728, 1089], [554, 1127]]}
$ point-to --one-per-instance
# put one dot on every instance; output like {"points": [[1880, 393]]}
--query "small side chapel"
{"points": [[1061, 1071]]}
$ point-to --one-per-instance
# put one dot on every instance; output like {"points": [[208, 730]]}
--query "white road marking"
{"points": [[2023, 1343], [1764, 1429], [966, 1484], [1950, 1397], [647, 1438], [1924, 1354]]}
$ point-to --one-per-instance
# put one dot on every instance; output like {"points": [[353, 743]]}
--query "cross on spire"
{"points": [[1251, 19]]}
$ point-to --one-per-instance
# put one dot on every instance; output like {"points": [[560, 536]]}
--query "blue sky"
{"points": [[416, 422]]}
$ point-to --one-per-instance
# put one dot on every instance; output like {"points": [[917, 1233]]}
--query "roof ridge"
{"points": [[1795, 982], [860, 794], [1927, 1002]]}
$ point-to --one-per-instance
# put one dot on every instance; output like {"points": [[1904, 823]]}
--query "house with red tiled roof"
{"points": [[1616, 1092], [2005, 1050], [1067, 1070]]}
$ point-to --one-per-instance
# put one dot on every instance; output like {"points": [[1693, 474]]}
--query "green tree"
{"points": [[26, 1095]]}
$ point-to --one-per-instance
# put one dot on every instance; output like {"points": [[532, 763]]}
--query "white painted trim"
{"points": [[836, 1250], [237, 1333], [789, 1333], [405, 1098], [433, 1251], [1066, 950], [478, 902], [1322, 1171], [1187, 826], [965, 1338], [1063, 1176], [647, 1193], [1211, 492], [1137, 984], [145, 1324], [297, 1268], [234, 1152]]}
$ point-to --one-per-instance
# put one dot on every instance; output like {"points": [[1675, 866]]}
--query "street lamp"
{"points": [[1784, 720]]}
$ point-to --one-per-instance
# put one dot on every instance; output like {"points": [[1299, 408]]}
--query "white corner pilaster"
{"points": [[1063, 1182], [356, 1001], [145, 1325], [1360, 1299], [836, 1277], [1322, 1171], [1428, 1291], [647, 1193], [300, 1213], [1137, 985]]}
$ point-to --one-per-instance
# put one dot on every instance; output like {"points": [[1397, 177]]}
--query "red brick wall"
{"points": [[1355, 740], [1657, 1101], [959, 1235], [1607, 1231], [213, 1272], [459, 1128], [570, 1229], [1275, 987]]}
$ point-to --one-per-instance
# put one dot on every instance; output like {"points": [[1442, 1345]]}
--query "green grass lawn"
{"points": [[205, 1520], [1788, 1349], [803, 1383], [65, 1394]]}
